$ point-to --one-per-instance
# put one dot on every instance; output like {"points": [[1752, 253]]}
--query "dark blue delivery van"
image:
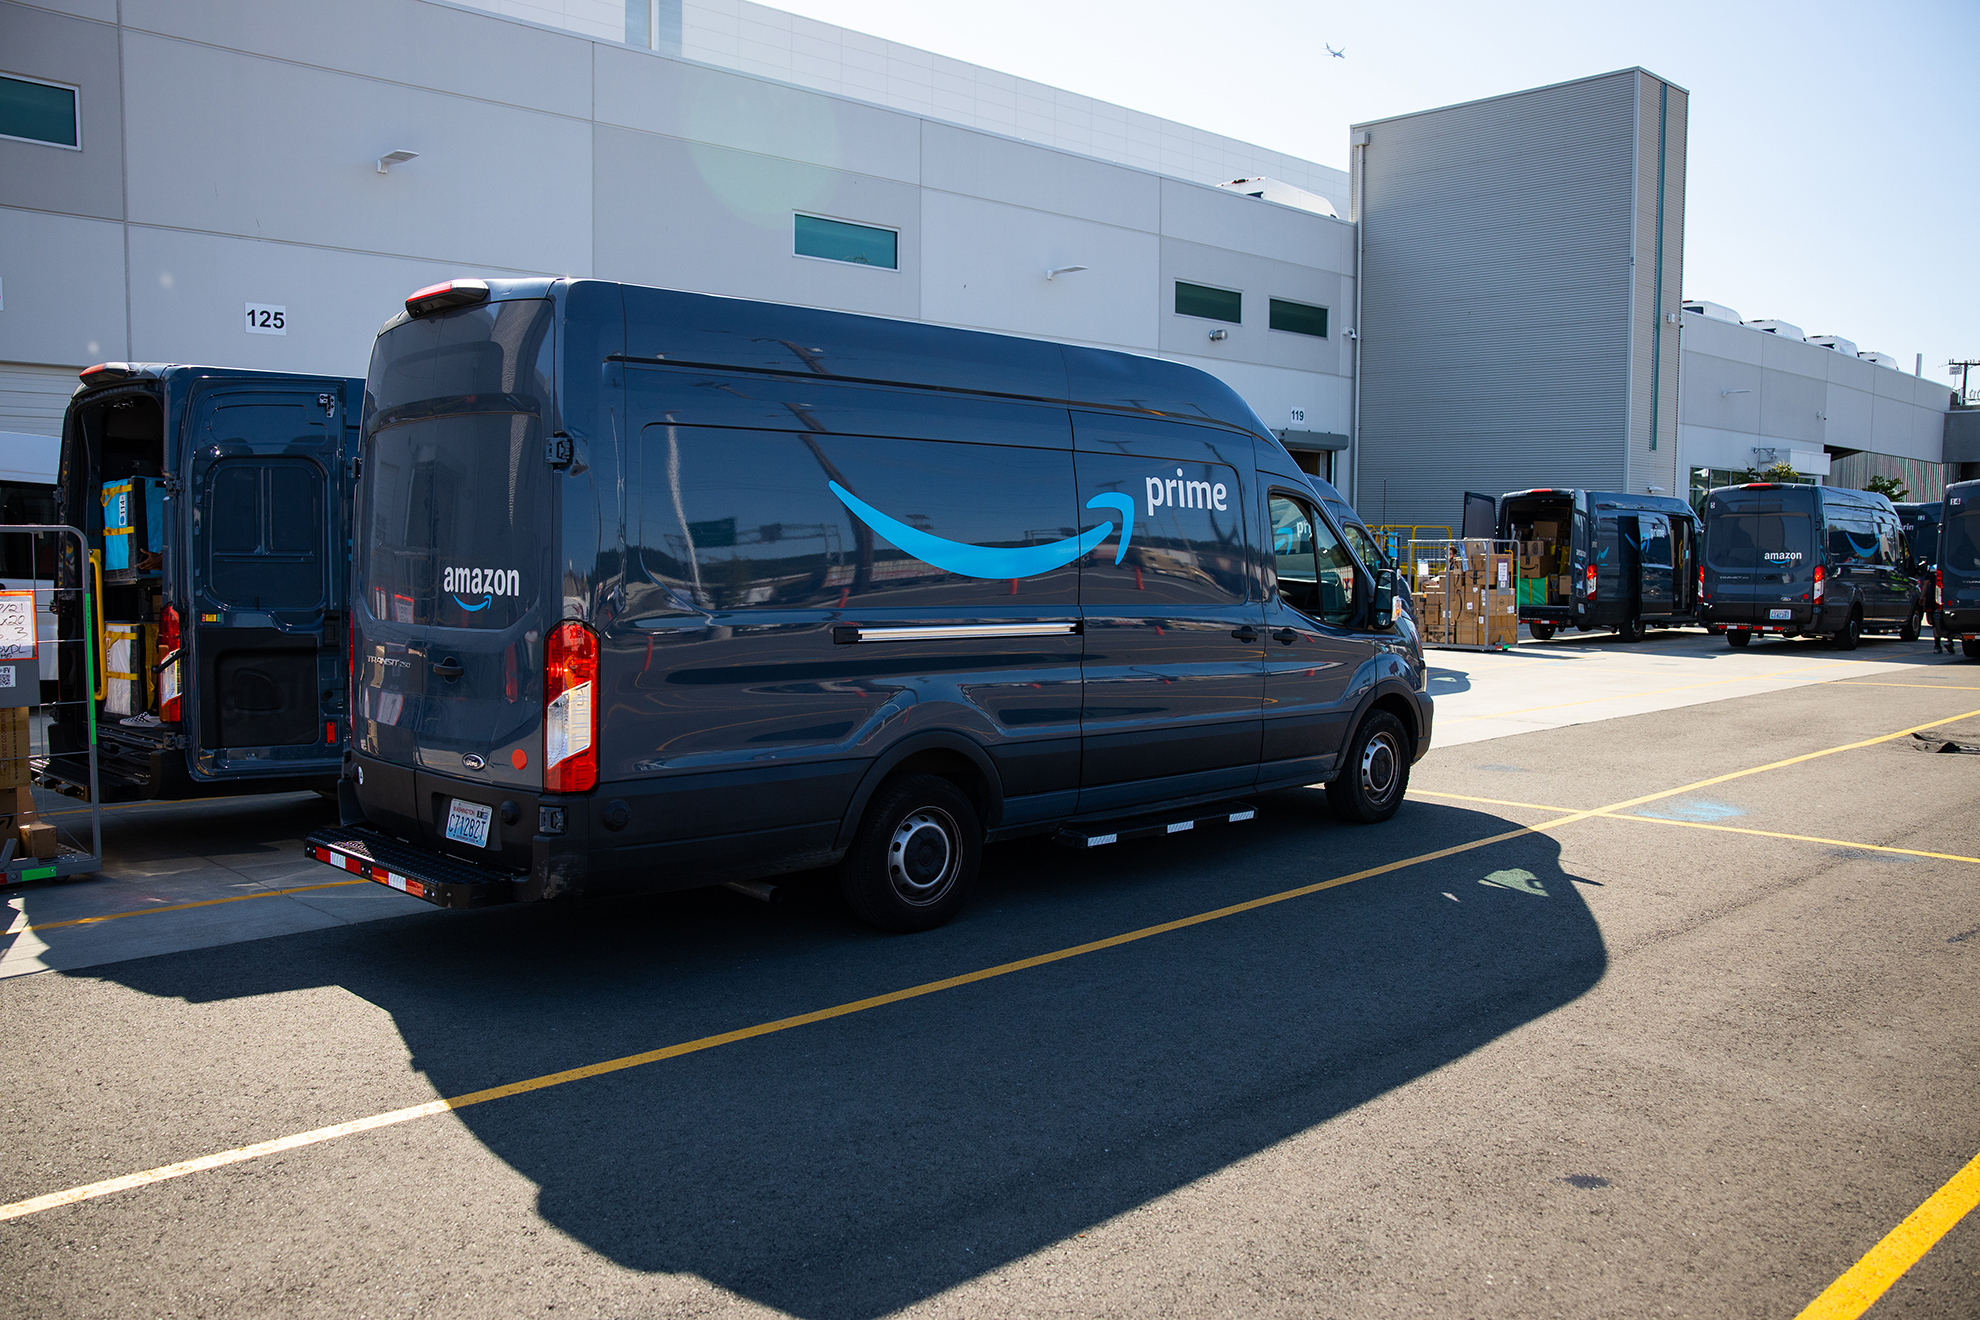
{"points": [[213, 501], [659, 590], [1959, 566]]}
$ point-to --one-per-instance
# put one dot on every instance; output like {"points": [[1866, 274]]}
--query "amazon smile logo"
{"points": [[487, 583], [982, 561]]}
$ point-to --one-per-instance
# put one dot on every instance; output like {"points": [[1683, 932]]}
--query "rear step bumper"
{"points": [[1097, 834], [439, 880]]}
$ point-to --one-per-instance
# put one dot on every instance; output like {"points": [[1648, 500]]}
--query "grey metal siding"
{"points": [[1496, 315]]}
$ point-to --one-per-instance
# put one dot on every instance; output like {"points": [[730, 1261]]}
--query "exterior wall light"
{"points": [[391, 158], [1057, 271]]}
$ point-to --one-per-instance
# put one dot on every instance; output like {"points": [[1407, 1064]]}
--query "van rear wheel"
{"points": [[915, 859], [1630, 630], [1970, 648], [1542, 632], [1913, 626], [1374, 773], [1847, 636], [1736, 637]]}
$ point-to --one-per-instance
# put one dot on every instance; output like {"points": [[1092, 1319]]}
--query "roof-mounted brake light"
{"points": [[104, 372], [452, 293]]}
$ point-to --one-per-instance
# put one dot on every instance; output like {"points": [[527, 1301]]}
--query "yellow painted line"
{"points": [[1702, 825], [1904, 1246], [181, 907], [1932, 687], [241, 1154], [1648, 692]]}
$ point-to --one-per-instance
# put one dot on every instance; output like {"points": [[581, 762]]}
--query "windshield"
{"points": [[1961, 540], [1747, 542]]}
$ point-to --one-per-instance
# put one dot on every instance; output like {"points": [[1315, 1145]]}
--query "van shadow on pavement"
{"points": [[853, 1167]]}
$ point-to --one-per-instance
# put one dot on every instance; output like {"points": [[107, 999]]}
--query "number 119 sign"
{"points": [[267, 319]]}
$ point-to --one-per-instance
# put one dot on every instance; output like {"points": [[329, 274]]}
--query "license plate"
{"points": [[1780, 614], [467, 822]]}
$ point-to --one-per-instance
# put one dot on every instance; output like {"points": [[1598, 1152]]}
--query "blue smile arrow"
{"points": [[982, 561]]}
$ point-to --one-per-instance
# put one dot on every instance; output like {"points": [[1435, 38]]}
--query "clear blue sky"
{"points": [[1834, 149]]}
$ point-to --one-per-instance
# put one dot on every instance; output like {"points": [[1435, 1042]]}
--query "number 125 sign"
{"points": [[267, 319]]}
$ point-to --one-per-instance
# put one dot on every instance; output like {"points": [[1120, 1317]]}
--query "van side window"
{"points": [[1852, 539], [1315, 574]]}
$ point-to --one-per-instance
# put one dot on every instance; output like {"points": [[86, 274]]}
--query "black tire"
{"points": [[1846, 637], [1374, 773], [1913, 627], [1630, 630], [915, 859], [1737, 638], [1970, 648], [1542, 632]]}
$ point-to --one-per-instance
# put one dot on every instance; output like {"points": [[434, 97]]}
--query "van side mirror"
{"points": [[1385, 597]]}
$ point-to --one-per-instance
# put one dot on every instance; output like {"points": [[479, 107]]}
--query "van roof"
{"points": [[671, 327]]}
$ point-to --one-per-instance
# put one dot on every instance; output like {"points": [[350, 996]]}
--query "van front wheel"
{"points": [[1374, 773], [916, 856]]}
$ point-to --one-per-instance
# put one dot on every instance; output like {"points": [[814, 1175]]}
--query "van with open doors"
{"points": [[660, 590], [1959, 566], [213, 502], [1612, 560], [1799, 561]]}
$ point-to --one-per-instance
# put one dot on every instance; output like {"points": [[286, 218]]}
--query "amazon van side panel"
{"points": [[656, 590], [1959, 565]]}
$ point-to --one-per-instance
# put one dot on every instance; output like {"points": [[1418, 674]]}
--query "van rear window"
{"points": [[455, 512], [1961, 539], [1746, 542], [496, 356]]}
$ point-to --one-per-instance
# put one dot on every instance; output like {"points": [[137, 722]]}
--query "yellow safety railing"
{"points": [[102, 633]]}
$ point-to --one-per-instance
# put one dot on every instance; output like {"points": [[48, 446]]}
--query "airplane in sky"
{"points": [[1337, 54]]}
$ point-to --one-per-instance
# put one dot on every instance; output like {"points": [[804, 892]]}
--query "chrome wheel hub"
{"points": [[922, 855], [1381, 768]]}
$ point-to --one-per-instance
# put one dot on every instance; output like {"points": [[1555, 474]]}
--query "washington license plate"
{"points": [[1780, 614], [467, 822]]}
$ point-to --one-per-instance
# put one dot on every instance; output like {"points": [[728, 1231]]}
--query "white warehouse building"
{"points": [[239, 153], [169, 172]]}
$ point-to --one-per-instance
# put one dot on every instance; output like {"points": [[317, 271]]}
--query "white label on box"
{"points": [[17, 625], [1505, 576], [267, 319], [6, 676]]}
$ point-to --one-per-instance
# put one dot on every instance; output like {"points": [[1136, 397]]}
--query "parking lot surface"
{"points": [[1658, 998]]}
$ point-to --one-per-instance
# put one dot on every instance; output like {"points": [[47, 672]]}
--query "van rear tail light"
{"points": [[570, 712], [1591, 582], [452, 293], [105, 372], [1702, 598], [1821, 583], [168, 677]]}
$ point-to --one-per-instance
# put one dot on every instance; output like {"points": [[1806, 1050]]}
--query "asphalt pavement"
{"points": [[1664, 1013]]}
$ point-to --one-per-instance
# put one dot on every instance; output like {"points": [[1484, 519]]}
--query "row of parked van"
{"points": [[590, 587], [1761, 558]]}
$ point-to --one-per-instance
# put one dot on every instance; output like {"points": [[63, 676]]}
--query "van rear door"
{"points": [[1760, 555], [263, 471], [456, 585]]}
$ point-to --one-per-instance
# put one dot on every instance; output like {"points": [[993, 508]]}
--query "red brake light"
{"points": [[168, 677], [570, 709], [450, 293], [1821, 587], [1591, 582]]}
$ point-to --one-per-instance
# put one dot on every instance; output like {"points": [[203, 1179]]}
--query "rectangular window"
{"points": [[1211, 304], [1300, 318], [35, 111], [835, 240]]}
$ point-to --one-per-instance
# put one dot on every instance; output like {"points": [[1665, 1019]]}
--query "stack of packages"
{"points": [[37, 838], [1551, 537], [1432, 609], [1472, 602], [1536, 577]]}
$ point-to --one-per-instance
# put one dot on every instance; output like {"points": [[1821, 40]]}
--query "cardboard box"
{"points": [[38, 840], [14, 748]]}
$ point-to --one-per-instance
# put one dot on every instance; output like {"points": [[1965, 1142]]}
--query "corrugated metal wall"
{"points": [[1497, 346], [33, 398], [1924, 482]]}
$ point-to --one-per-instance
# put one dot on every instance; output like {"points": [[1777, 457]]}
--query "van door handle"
{"points": [[449, 669], [1285, 637], [1245, 634]]}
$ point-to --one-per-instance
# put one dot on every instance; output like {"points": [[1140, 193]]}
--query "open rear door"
{"points": [[1656, 574], [1481, 516], [264, 677]]}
